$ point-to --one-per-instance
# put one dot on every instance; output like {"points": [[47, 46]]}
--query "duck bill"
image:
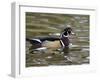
{"points": [[72, 33]]}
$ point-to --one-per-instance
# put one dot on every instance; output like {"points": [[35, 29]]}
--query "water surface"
{"points": [[44, 24]]}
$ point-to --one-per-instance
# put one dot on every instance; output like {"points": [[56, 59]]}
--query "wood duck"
{"points": [[52, 42]]}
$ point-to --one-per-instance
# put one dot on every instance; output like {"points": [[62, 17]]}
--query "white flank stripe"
{"points": [[37, 40]]}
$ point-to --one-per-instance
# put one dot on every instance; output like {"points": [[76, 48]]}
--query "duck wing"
{"points": [[49, 39]]}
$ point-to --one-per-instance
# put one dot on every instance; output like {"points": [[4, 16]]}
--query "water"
{"points": [[44, 24]]}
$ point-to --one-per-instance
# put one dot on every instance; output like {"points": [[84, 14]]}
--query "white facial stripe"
{"points": [[65, 36]]}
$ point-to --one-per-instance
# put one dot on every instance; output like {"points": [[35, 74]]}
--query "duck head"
{"points": [[67, 31]]}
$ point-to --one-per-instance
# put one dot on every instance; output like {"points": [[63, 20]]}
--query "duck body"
{"points": [[48, 42], [52, 42]]}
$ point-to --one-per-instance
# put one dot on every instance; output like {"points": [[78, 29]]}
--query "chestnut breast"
{"points": [[65, 41]]}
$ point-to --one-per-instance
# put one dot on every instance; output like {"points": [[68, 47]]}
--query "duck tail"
{"points": [[29, 40]]}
